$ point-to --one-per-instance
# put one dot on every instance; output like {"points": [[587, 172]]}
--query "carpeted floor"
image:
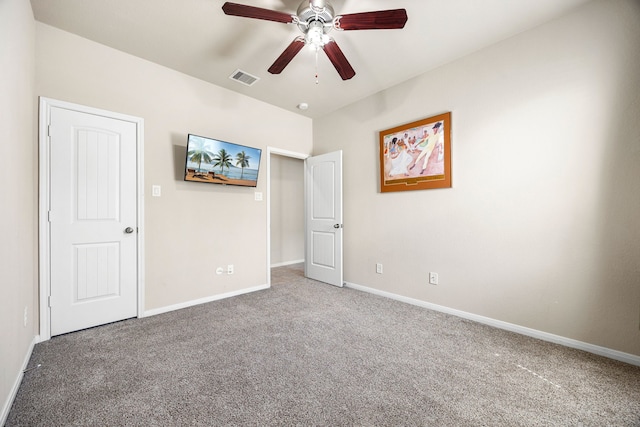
{"points": [[309, 354]]}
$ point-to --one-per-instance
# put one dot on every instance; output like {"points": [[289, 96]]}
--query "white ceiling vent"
{"points": [[244, 77]]}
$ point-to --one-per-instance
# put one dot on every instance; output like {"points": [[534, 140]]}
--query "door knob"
{"points": [[128, 230], [337, 225]]}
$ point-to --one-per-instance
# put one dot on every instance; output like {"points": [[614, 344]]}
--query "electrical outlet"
{"points": [[230, 269], [433, 278], [379, 268]]}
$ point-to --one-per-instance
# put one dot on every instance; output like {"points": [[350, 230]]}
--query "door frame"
{"points": [[285, 153], [44, 190]]}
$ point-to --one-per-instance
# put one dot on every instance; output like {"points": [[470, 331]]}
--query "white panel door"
{"points": [[323, 211], [92, 220]]}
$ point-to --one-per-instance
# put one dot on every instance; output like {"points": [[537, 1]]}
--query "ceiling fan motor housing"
{"points": [[315, 10]]}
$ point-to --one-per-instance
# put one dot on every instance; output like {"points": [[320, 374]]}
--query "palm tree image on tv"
{"points": [[200, 153], [214, 161], [222, 159], [242, 160]]}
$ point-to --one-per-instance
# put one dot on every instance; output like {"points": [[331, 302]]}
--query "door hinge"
{"points": [[49, 130], [49, 216], [49, 301]]}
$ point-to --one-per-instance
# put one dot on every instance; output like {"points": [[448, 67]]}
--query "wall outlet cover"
{"points": [[433, 278]]}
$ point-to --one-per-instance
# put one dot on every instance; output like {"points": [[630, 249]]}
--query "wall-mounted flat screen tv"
{"points": [[219, 162]]}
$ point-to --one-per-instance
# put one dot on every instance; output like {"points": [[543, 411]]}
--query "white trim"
{"points": [[280, 152], [44, 202], [282, 264], [212, 298], [16, 384], [140, 209], [544, 336], [43, 208]]}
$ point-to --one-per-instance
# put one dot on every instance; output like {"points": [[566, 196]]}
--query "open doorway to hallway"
{"points": [[286, 210]]}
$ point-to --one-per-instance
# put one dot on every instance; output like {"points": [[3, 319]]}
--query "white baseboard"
{"points": [[557, 339], [186, 304], [282, 264], [16, 385]]}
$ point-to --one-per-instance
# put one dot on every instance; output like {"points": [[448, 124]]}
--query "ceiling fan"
{"points": [[315, 18]]}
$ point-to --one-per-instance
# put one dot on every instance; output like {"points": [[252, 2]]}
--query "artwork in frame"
{"points": [[417, 155]]}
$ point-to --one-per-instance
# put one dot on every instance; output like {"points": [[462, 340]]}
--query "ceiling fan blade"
{"points": [[245, 11], [380, 20], [286, 56], [337, 58]]}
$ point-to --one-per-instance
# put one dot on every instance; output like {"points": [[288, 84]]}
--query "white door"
{"points": [[323, 212], [92, 217]]}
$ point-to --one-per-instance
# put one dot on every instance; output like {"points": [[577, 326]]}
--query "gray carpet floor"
{"points": [[309, 354]]}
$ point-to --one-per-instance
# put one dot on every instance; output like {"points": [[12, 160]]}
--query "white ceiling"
{"points": [[195, 37]]}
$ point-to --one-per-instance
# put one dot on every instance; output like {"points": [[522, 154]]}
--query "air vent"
{"points": [[244, 78]]}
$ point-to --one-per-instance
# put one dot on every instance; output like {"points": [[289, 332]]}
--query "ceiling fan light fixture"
{"points": [[315, 36]]}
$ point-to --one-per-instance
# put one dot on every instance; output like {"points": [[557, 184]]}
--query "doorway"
{"points": [[320, 188], [285, 208]]}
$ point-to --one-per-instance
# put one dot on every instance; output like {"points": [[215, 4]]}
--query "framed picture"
{"points": [[416, 156]]}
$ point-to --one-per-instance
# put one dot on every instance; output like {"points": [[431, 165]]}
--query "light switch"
{"points": [[258, 196], [156, 190]]}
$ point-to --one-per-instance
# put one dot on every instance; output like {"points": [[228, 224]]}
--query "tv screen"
{"points": [[218, 162]]}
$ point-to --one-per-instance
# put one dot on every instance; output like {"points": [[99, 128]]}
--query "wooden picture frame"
{"points": [[417, 155]]}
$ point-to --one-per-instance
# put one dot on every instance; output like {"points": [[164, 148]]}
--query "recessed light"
{"points": [[302, 106]]}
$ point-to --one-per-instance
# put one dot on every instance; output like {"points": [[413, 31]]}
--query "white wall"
{"points": [[287, 210], [193, 228], [18, 194], [542, 227]]}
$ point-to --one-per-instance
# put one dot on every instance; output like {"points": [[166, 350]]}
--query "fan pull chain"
{"points": [[317, 81]]}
